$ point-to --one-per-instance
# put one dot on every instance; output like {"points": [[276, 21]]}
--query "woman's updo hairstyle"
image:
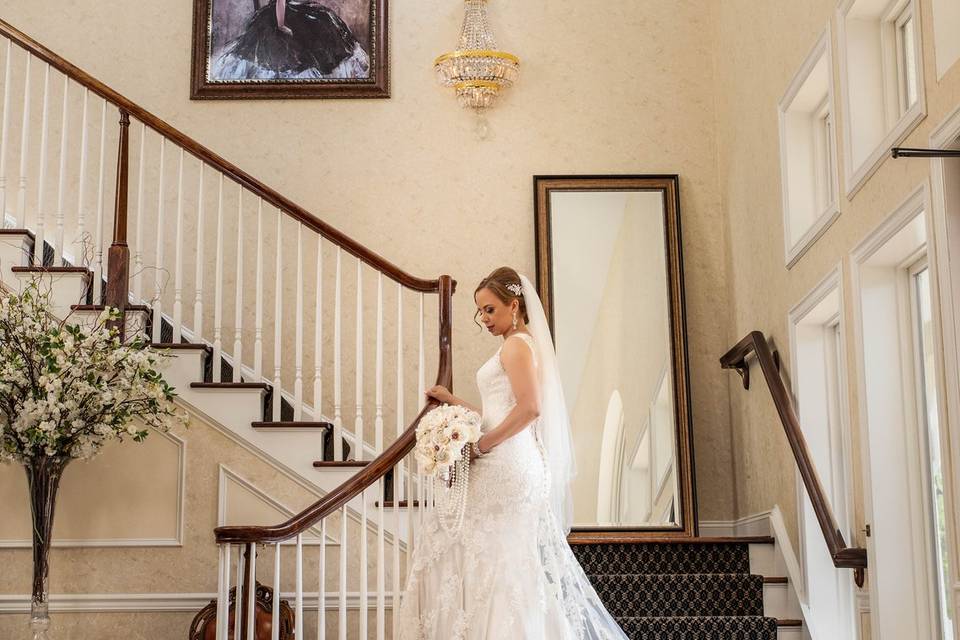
{"points": [[497, 282]]}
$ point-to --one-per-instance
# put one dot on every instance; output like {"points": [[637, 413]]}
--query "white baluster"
{"points": [[138, 249], [318, 336], [238, 308], [238, 599], [298, 346], [223, 593], [258, 320], [101, 203], [421, 365], [78, 241], [24, 146], [342, 607], [299, 586], [363, 565], [252, 593], [322, 590], [198, 298], [278, 322], [160, 223], [275, 610], [40, 232], [62, 175], [378, 448], [399, 486], [178, 257], [358, 453], [217, 375], [5, 132], [337, 418]]}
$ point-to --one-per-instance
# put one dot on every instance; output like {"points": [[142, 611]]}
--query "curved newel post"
{"points": [[118, 258], [736, 358]]}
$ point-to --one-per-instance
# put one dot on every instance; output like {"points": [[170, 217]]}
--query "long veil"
{"points": [[587, 617], [554, 424]]}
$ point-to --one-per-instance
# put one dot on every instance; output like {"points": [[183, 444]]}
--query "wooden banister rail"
{"points": [[372, 472], [736, 358], [202, 153]]}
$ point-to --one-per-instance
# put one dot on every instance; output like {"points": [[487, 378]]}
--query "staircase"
{"points": [[266, 312], [697, 589]]}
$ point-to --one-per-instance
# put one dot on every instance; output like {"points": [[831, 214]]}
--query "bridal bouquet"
{"points": [[441, 436]]}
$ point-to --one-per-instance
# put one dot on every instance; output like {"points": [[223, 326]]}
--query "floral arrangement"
{"points": [[441, 436], [66, 390]]}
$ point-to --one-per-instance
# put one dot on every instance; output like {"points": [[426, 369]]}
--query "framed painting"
{"points": [[289, 49]]}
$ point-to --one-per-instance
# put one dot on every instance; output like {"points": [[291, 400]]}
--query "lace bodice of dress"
{"points": [[496, 394]]}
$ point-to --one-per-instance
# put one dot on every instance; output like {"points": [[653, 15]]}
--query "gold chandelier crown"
{"points": [[477, 69]]}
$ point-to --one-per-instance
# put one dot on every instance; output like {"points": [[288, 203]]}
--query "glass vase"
{"points": [[43, 479]]}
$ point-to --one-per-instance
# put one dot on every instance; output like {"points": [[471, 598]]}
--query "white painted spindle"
{"points": [[62, 171], [40, 230], [178, 257], [238, 307], [5, 131], [198, 297], [400, 488], [278, 321], [275, 609], [322, 590], [101, 204], [158, 259], [298, 342], [363, 566], [217, 375], [342, 602], [358, 452], [337, 418], [24, 147], [318, 337], [223, 591], [252, 592], [258, 303], [141, 223], [378, 448], [78, 241], [238, 598], [299, 586]]}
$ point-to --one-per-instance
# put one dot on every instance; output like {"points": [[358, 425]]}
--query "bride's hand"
{"points": [[440, 394]]}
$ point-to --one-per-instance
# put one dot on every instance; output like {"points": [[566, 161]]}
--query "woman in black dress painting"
{"points": [[295, 39]]}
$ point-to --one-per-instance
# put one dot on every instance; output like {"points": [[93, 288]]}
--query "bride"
{"points": [[508, 572]]}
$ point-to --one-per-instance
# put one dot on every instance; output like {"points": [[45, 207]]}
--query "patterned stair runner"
{"points": [[678, 591]]}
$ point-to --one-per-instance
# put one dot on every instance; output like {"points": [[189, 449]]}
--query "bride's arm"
{"points": [[517, 360], [441, 394]]}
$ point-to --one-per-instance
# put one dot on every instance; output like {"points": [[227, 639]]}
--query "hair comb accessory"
{"points": [[516, 288]]}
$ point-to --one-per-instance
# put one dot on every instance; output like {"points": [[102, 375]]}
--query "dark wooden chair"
{"points": [[204, 625]]}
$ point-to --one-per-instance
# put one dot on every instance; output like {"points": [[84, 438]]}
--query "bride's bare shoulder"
{"points": [[513, 350]]}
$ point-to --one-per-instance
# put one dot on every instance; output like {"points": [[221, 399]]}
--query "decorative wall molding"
{"points": [[166, 602], [177, 541]]}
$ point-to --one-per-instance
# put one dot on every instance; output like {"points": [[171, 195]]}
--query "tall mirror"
{"points": [[610, 276]]}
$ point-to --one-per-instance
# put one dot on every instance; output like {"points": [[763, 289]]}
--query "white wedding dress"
{"points": [[508, 573]]}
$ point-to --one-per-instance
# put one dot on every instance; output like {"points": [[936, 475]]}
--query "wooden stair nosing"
{"points": [[99, 307], [263, 386], [403, 504], [18, 232], [81, 270], [319, 464], [775, 580], [291, 424], [185, 346], [789, 622]]}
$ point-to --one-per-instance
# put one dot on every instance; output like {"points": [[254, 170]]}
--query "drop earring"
{"points": [[514, 320]]}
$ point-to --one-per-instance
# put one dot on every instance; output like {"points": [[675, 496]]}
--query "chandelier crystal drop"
{"points": [[477, 70]]}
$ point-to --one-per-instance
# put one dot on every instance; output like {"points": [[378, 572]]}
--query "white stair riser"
{"points": [[136, 321], [763, 560], [779, 601], [66, 289], [14, 252]]}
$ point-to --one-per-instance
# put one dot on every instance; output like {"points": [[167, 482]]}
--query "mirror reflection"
{"points": [[611, 317]]}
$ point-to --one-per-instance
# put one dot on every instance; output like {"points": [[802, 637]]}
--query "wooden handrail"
{"points": [[204, 154], [372, 472], [736, 358]]}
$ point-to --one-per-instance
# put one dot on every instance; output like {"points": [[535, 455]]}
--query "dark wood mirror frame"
{"points": [[668, 185]]}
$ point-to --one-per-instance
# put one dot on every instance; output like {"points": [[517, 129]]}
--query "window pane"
{"points": [[931, 413], [909, 62]]}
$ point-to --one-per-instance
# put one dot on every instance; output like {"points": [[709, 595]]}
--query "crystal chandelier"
{"points": [[477, 70]]}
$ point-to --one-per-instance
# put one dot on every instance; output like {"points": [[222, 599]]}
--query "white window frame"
{"points": [[903, 75], [824, 176], [897, 125]]}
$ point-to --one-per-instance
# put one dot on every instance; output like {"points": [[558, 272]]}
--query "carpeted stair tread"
{"points": [[700, 628], [672, 595], [672, 558]]}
